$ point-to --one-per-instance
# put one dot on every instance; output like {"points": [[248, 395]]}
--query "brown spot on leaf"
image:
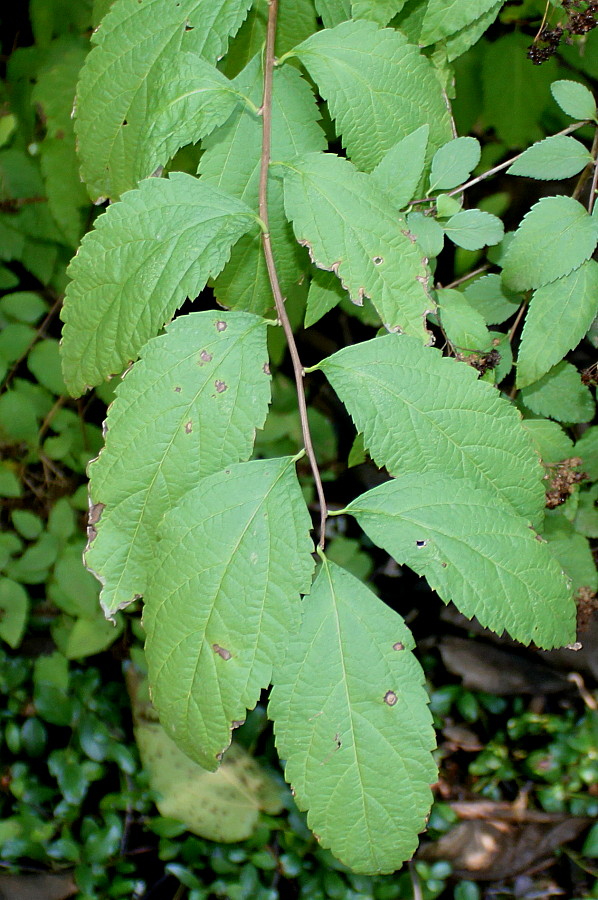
{"points": [[204, 357], [409, 234], [378, 260], [220, 386], [398, 646], [221, 326], [390, 698], [177, 389], [236, 723], [266, 368], [221, 651], [188, 427], [95, 513]]}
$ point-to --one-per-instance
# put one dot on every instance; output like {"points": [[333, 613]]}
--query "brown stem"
{"points": [[266, 111]]}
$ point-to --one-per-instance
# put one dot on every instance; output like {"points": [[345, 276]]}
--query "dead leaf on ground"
{"points": [[493, 850], [498, 670], [43, 886]]}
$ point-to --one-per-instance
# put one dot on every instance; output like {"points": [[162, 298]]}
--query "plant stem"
{"points": [[495, 169], [266, 112]]}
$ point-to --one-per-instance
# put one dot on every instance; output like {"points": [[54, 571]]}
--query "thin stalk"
{"points": [[592, 197], [495, 169], [266, 112]]}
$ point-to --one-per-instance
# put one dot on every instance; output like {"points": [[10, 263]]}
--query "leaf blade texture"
{"points": [[446, 17], [364, 241], [188, 408], [420, 412], [473, 229], [453, 162], [400, 169], [352, 722], [190, 99], [234, 556], [474, 551], [379, 11], [333, 11], [560, 395], [146, 254], [561, 311], [400, 93], [574, 99], [133, 44], [558, 156], [556, 236], [231, 162]]}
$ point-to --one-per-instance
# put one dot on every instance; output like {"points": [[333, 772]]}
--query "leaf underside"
{"points": [[351, 720], [188, 407], [424, 413], [145, 256], [234, 555], [473, 550], [350, 227]]}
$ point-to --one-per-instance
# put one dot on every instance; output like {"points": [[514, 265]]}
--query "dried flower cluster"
{"points": [[581, 18]]}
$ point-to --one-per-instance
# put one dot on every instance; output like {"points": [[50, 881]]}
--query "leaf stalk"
{"points": [[266, 112]]}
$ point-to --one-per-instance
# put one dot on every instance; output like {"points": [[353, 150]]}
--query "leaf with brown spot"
{"points": [[335, 681], [166, 430]]}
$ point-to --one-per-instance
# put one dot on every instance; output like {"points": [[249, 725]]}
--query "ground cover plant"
{"points": [[313, 175]]}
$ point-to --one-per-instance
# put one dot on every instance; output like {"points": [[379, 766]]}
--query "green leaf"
{"points": [[235, 554], [445, 17], [90, 636], [427, 232], [560, 395], [135, 45], [325, 292], [401, 91], [351, 228], [555, 157], [453, 162], [572, 551], [14, 609], [556, 236], [492, 299], [190, 99], [221, 806], [586, 518], [379, 11], [473, 229], [422, 413], [558, 318], [549, 439], [352, 722], [44, 363], [333, 11], [447, 206], [231, 162], [189, 407], [473, 550], [456, 44], [587, 448], [145, 256], [27, 524], [463, 325], [574, 99], [399, 171]]}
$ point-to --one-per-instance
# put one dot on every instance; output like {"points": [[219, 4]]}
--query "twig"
{"points": [[515, 324], [495, 169], [415, 885], [266, 112], [592, 196], [38, 333], [467, 277]]}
